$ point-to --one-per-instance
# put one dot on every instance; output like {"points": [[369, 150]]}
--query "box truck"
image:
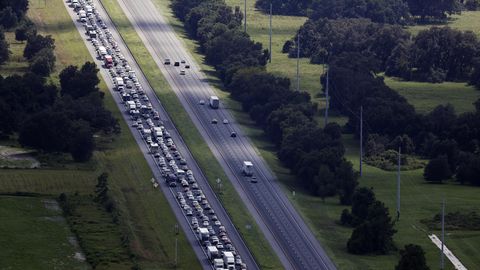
{"points": [[247, 168], [214, 102]]}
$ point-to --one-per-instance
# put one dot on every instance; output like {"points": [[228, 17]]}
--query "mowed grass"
{"points": [[419, 200], [426, 96], [34, 237], [145, 214], [202, 154]]}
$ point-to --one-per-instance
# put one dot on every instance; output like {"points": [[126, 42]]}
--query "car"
{"points": [[254, 179], [187, 66], [167, 61], [225, 121], [201, 102], [182, 72], [183, 61], [205, 223], [189, 212], [214, 218], [176, 64], [233, 134], [172, 184], [218, 223], [214, 121]]}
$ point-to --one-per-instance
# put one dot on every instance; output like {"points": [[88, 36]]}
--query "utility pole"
{"points": [[398, 182], [442, 259], [361, 141], [298, 62], [245, 13], [270, 58]]}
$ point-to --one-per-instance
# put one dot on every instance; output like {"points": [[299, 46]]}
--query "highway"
{"points": [[183, 220], [283, 227]]}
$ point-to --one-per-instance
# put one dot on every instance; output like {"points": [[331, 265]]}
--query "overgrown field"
{"points": [[146, 215], [419, 199], [34, 236]]}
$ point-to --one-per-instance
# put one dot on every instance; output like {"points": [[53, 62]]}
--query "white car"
{"points": [[225, 121]]}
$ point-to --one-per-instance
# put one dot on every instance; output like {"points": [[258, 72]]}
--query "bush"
{"points": [[8, 18], [412, 258]]}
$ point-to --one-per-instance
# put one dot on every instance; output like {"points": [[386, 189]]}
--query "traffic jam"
{"points": [[208, 229]]}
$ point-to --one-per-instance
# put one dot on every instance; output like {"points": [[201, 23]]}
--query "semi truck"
{"points": [[247, 168], [214, 102], [203, 234], [229, 260], [212, 252], [218, 264]]}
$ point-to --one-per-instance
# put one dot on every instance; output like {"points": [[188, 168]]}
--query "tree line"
{"points": [[314, 154], [434, 55], [381, 11], [56, 120]]}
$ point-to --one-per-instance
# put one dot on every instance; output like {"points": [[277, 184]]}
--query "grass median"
{"points": [[323, 217], [239, 214], [146, 218]]}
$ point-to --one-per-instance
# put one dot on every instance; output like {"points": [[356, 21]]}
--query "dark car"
{"points": [[177, 64], [233, 134]]}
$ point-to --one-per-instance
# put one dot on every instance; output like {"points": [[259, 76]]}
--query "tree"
{"points": [[8, 18], [347, 181], [37, 43], [412, 258], [26, 30], [437, 170], [79, 83], [43, 62], [325, 182], [20, 7], [55, 131], [4, 52], [375, 234], [81, 144], [469, 170], [362, 200], [433, 8]]}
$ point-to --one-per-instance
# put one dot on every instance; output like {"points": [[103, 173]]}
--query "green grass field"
{"points": [[323, 216], [146, 215], [35, 237], [207, 162]]}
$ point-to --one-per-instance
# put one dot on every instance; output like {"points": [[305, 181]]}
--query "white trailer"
{"points": [[247, 168], [229, 260], [218, 264], [214, 102], [212, 252], [203, 234]]}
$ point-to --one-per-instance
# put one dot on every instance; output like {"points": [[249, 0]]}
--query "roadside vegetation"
{"points": [[141, 234]]}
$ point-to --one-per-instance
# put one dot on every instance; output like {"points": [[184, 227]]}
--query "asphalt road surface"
{"points": [[283, 227], [237, 241]]}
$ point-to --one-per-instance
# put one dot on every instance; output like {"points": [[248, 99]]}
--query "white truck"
{"points": [[203, 234], [218, 264], [212, 252], [214, 102], [247, 168], [118, 81], [229, 260]]}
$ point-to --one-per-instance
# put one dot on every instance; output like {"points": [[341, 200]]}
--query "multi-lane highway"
{"points": [[181, 147], [282, 225]]}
